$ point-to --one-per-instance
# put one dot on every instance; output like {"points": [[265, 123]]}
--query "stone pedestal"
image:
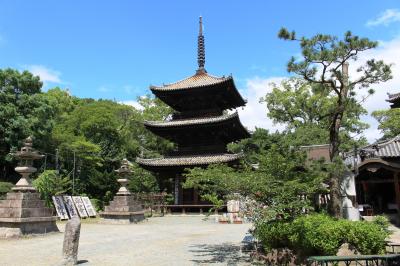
{"points": [[24, 213], [124, 209]]}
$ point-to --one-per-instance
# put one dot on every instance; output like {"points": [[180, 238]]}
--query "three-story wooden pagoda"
{"points": [[202, 125]]}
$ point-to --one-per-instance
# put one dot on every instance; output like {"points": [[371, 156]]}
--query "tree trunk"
{"points": [[335, 203], [335, 208]]}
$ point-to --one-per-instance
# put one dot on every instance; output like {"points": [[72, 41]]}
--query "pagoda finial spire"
{"points": [[201, 54]]}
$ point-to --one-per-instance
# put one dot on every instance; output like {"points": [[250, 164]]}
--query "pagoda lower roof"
{"points": [[192, 121], [196, 160]]}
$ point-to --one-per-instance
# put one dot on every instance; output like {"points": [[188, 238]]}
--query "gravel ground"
{"points": [[169, 240]]}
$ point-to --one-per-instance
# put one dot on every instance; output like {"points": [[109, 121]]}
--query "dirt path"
{"points": [[157, 241]]}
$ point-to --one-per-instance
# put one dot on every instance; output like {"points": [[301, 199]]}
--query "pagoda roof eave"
{"points": [[224, 85], [189, 161], [193, 121], [393, 97]]}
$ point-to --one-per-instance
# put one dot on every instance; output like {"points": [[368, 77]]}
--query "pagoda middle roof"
{"points": [[192, 121], [201, 79]]}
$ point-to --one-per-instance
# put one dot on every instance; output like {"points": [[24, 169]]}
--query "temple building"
{"points": [[201, 126], [377, 174], [371, 184]]}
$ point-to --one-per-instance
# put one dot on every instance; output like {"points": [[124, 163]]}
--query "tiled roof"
{"points": [[193, 121], [200, 79], [389, 148], [393, 97], [190, 160]]}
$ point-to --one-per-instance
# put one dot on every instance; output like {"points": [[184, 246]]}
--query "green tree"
{"points": [[275, 185], [389, 122], [306, 110], [142, 181], [153, 109], [325, 61], [260, 142], [24, 111]]}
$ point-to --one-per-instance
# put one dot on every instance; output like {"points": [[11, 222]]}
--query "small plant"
{"points": [[5, 187]]}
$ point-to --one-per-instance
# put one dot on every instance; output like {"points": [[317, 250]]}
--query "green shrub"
{"points": [[4, 188], [367, 237], [320, 234], [316, 235], [273, 234], [49, 184], [97, 204]]}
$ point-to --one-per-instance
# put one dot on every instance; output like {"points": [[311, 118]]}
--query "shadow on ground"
{"points": [[226, 253]]}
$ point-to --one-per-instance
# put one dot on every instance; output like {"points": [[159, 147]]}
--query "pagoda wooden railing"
{"points": [[156, 202]]}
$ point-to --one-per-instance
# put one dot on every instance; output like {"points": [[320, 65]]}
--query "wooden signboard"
{"points": [[70, 206], [60, 207], [89, 207], [79, 206]]}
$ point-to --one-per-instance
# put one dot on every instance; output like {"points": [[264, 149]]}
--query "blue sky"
{"points": [[116, 49]]}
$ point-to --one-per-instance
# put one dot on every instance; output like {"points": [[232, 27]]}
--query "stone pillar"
{"points": [[348, 191], [71, 242]]}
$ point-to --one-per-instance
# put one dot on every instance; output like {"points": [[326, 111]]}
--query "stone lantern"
{"points": [[23, 212], [123, 208], [124, 172], [25, 168]]}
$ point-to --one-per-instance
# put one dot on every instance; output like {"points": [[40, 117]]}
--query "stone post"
{"points": [[71, 242]]}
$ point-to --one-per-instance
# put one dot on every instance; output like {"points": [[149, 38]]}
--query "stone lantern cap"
{"points": [[124, 170], [27, 152]]}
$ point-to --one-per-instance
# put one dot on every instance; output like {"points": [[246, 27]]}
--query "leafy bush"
{"points": [[49, 184], [97, 204], [322, 235], [4, 188]]}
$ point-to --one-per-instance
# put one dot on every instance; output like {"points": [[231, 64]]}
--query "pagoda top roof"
{"points": [[393, 97], [189, 160], [200, 79], [192, 121]]}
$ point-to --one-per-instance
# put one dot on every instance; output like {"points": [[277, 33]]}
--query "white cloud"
{"points": [[385, 18], [103, 89], [389, 52], [128, 89], [46, 74], [254, 114], [132, 103]]}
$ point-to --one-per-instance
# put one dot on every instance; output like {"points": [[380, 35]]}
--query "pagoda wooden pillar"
{"points": [[397, 192], [195, 196], [176, 189]]}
